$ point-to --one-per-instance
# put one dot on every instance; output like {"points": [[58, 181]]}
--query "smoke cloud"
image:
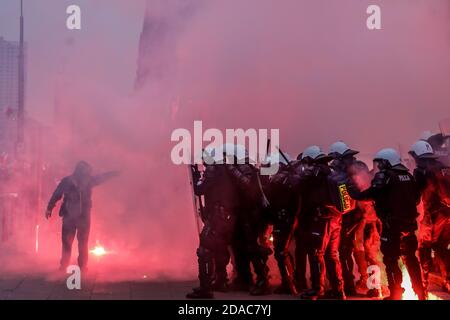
{"points": [[310, 68]]}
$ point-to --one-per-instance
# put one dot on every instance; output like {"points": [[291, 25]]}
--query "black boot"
{"points": [[282, 289], [261, 288], [301, 285], [333, 295], [340, 295], [239, 284], [205, 275], [220, 286], [287, 279], [374, 293], [286, 287], [312, 294], [350, 290], [395, 294], [290, 277], [198, 293]]}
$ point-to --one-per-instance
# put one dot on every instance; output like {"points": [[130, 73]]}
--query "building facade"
{"points": [[9, 94]]}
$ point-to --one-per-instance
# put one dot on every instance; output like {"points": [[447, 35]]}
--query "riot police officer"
{"points": [[366, 240], [396, 196], [221, 204], [322, 224], [303, 251], [343, 160], [251, 222], [433, 179], [284, 201], [440, 144]]}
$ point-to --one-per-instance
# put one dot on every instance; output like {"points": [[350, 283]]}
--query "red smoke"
{"points": [[309, 68]]}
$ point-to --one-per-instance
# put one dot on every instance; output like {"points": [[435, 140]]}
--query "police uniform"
{"points": [[396, 196], [284, 200], [221, 203], [433, 179]]}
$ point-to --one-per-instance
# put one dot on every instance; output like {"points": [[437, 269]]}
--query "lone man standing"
{"points": [[76, 191]]}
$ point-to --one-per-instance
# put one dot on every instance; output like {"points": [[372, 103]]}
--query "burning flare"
{"points": [[409, 293], [99, 250]]}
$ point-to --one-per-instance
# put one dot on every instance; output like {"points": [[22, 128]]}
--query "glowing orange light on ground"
{"points": [[98, 251], [409, 293]]}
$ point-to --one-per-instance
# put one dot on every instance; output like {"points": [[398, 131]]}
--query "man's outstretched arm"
{"points": [[103, 177]]}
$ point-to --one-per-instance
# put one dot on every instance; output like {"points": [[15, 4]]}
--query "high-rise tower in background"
{"points": [[9, 95], [9, 76], [12, 93], [21, 88]]}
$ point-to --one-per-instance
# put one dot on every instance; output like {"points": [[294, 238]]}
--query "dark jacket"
{"points": [[218, 188], [433, 179], [343, 173], [77, 200], [315, 195], [283, 190], [396, 195]]}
